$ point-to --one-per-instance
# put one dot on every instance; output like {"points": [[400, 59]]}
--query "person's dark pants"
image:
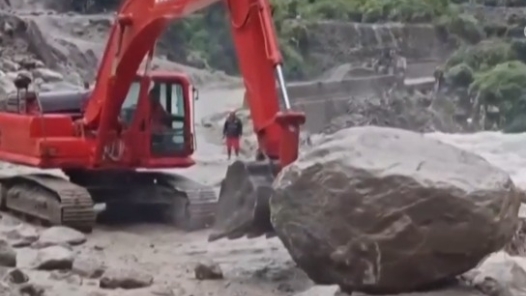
{"points": [[232, 143]]}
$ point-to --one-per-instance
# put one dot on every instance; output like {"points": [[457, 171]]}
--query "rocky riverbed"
{"points": [[148, 259]]}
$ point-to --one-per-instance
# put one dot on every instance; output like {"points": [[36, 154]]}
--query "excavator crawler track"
{"points": [[145, 196], [194, 204], [50, 199]]}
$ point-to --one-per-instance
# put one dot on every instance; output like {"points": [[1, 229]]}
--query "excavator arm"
{"points": [[243, 206], [138, 25]]}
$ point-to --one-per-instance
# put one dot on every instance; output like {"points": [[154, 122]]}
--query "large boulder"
{"points": [[382, 210]]}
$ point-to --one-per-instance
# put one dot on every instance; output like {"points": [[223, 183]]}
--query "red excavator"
{"points": [[139, 119]]}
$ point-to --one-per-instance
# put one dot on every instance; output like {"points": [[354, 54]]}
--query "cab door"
{"points": [[169, 122], [133, 119]]}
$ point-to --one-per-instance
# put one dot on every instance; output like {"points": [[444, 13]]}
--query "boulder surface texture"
{"points": [[383, 210]]}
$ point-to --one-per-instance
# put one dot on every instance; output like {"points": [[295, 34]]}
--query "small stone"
{"points": [[6, 85], [125, 279], [59, 275], [320, 291], [28, 64], [88, 268], [7, 254], [16, 276], [48, 75], [499, 274], [60, 235], [17, 244], [11, 76], [21, 236], [97, 293], [74, 280], [29, 289], [208, 271], [162, 291], [66, 276], [54, 257], [8, 66]]}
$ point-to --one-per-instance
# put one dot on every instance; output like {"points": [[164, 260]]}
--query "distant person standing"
{"points": [[439, 79], [400, 65], [232, 132]]}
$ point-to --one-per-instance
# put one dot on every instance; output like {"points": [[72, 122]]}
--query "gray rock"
{"points": [[455, 290], [54, 257], [96, 293], [6, 86], [321, 291], [47, 75], [26, 258], [66, 276], [8, 66], [7, 254], [88, 267], [29, 289], [30, 64], [61, 235], [16, 276], [373, 209], [58, 86], [517, 245], [500, 274], [20, 235], [125, 279], [11, 76], [208, 271]]}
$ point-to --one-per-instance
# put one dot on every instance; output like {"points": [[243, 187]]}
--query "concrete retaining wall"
{"points": [[323, 101]]}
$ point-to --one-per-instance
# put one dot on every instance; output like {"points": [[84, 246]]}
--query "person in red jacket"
{"points": [[232, 131]]}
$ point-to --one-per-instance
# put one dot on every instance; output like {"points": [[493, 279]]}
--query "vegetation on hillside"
{"points": [[494, 72], [204, 39], [488, 63]]}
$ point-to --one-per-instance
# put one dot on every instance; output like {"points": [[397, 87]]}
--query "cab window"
{"points": [[130, 103], [167, 118]]}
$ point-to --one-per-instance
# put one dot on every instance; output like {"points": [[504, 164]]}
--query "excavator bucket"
{"points": [[243, 206]]}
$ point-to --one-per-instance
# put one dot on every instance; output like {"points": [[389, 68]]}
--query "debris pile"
{"points": [[25, 51], [400, 109], [58, 251]]}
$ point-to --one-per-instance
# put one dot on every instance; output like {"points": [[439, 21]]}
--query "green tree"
{"points": [[503, 86]]}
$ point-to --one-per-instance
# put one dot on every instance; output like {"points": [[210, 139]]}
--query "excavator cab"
{"points": [[166, 121]]}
